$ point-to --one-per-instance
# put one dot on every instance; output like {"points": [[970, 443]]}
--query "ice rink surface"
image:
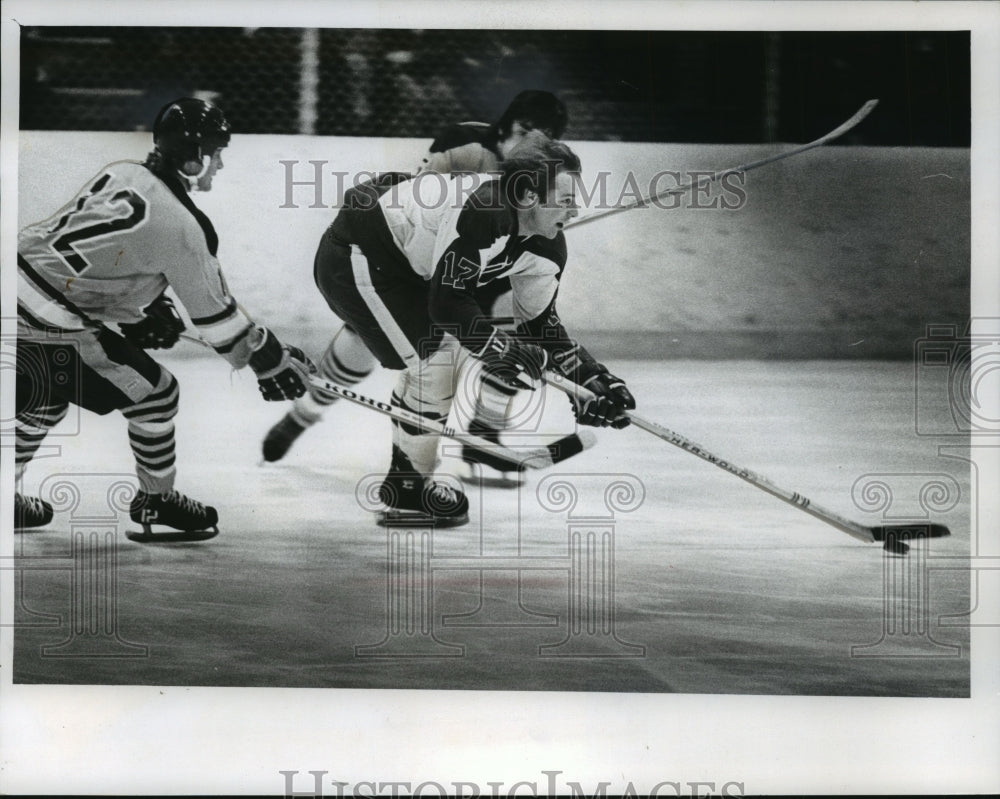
{"points": [[666, 575], [634, 567]]}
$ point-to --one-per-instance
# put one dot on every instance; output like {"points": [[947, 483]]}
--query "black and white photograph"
{"points": [[518, 399]]}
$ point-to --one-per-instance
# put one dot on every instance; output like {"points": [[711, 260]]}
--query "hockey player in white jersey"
{"points": [[107, 258], [468, 147]]}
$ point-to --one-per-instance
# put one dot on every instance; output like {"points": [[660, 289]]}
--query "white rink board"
{"points": [[841, 252]]}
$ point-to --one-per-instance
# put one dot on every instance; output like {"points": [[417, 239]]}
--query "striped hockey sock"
{"points": [[346, 362], [151, 435], [31, 427]]}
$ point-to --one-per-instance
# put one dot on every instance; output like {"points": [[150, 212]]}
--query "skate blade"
{"points": [[409, 518], [489, 478], [147, 536]]}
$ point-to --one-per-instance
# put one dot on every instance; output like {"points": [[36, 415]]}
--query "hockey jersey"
{"points": [[114, 248], [477, 245], [465, 147]]}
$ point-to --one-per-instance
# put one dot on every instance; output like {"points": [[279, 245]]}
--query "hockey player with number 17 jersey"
{"points": [[468, 147], [417, 299]]}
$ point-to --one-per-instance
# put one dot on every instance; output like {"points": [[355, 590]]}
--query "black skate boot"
{"points": [[191, 520], [413, 499], [487, 469], [31, 512], [279, 439]]}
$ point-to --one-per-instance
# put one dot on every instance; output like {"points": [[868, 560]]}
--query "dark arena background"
{"points": [[636, 86], [819, 333], [803, 270]]}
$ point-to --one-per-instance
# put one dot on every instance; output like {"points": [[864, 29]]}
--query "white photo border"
{"points": [[143, 740]]}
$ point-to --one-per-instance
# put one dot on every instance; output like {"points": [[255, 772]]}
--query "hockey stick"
{"points": [[707, 180], [497, 455], [536, 458], [892, 534]]}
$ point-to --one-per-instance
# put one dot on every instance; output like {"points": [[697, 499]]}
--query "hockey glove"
{"points": [[160, 329], [612, 398], [510, 360], [282, 371]]}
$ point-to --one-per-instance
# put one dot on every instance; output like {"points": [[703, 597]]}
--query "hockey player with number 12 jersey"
{"points": [[107, 258]]}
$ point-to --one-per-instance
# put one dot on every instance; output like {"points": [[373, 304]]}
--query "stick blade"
{"points": [[561, 449], [573, 444], [476, 474], [900, 531]]}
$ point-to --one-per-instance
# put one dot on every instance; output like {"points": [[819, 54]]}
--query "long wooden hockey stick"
{"points": [[497, 455], [891, 535], [707, 180], [503, 457]]}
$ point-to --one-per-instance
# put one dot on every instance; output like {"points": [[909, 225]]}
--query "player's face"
{"points": [[214, 165], [550, 217]]}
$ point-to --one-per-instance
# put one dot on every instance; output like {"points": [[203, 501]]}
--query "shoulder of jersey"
{"points": [[553, 249], [483, 216], [139, 175], [130, 170], [184, 212], [487, 192], [458, 135], [486, 198]]}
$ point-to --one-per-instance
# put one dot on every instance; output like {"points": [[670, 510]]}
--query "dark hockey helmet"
{"points": [[189, 129]]}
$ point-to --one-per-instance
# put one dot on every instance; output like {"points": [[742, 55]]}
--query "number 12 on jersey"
{"points": [[91, 219]]}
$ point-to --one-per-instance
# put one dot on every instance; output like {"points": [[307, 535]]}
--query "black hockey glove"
{"points": [[612, 398], [159, 330], [510, 360], [282, 371]]}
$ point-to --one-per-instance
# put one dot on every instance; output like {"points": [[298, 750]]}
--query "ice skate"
{"points": [[31, 512], [411, 498], [495, 471], [279, 439], [190, 520], [487, 469]]}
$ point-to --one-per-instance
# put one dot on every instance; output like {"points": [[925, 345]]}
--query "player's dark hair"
{"points": [[534, 168], [535, 110]]}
